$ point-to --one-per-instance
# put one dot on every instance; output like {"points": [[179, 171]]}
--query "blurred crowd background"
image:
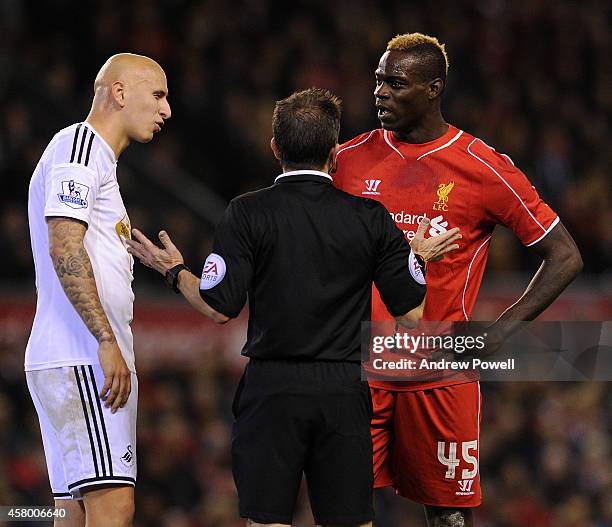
{"points": [[533, 79]]}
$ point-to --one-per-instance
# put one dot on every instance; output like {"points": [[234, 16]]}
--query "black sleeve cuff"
{"points": [[217, 305], [406, 302]]}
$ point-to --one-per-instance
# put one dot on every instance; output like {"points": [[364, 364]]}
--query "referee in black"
{"points": [[305, 254]]}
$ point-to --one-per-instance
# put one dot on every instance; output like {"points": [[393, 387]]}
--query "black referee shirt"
{"points": [[306, 254]]}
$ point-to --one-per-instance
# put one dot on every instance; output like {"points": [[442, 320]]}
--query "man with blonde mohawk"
{"points": [[79, 360], [426, 433]]}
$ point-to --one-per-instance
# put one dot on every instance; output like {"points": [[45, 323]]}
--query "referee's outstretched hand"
{"points": [[151, 255], [434, 248]]}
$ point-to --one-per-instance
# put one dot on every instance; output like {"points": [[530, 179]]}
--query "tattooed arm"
{"points": [[73, 268]]}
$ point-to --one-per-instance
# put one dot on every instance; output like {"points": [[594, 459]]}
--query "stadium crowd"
{"points": [[545, 458], [533, 79]]}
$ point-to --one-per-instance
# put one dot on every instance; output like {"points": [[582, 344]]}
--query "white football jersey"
{"points": [[76, 178]]}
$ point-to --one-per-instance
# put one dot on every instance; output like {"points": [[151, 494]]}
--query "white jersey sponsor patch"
{"points": [[415, 269], [213, 272]]}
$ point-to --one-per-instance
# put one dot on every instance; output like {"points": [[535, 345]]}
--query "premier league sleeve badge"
{"points": [[74, 194]]}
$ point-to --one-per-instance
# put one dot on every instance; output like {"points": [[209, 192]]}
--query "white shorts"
{"points": [[85, 444]]}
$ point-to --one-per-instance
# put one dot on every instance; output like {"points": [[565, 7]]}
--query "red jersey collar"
{"points": [[420, 150]]}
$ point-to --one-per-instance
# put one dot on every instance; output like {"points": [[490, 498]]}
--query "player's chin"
{"points": [[388, 122], [145, 138], [389, 125]]}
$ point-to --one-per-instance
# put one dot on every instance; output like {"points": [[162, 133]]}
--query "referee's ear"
{"points": [[331, 160], [275, 149]]}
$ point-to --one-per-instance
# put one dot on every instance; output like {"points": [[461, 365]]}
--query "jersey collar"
{"points": [[317, 173], [421, 150], [105, 146]]}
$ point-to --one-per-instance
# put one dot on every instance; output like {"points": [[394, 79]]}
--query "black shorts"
{"points": [[295, 418]]}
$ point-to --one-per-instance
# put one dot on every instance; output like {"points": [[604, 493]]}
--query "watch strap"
{"points": [[172, 276]]}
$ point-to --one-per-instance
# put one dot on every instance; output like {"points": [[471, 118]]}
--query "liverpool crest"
{"points": [[443, 191]]}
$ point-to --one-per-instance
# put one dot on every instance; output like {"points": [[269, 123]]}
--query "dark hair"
{"points": [[428, 51], [306, 126], [431, 61]]}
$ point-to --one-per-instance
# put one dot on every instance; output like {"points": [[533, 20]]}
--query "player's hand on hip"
{"points": [[117, 376], [434, 248], [151, 255]]}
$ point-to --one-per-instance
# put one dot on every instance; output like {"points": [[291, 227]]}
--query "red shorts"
{"points": [[426, 444]]}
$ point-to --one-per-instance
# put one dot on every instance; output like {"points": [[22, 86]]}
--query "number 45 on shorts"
{"points": [[451, 462]]}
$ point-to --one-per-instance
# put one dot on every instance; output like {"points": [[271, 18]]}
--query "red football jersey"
{"points": [[456, 181]]}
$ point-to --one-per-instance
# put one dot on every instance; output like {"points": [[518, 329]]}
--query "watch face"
{"points": [[172, 275]]}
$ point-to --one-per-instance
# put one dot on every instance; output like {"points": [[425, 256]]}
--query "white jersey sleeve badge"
{"points": [[74, 194], [415, 269], [213, 272]]}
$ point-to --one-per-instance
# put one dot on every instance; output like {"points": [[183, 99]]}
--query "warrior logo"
{"points": [[371, 187], [466, 487]]}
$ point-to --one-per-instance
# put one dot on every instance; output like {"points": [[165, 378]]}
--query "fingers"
{"points": [[120, 386], [438, 243], [420, 233], [449, 248], [170, 248], [449, 240], [166, 241], [141, 237], [125, 387], [144, 249], [114, 391], [439, 253], [452, 233], [136, 249], [108, 381]]}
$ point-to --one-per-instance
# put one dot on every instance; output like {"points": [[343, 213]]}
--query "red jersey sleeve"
{"points": [[509, 198], [356, 141]]}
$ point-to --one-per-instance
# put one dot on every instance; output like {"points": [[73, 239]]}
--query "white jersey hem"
{"points": [[64, 363]]}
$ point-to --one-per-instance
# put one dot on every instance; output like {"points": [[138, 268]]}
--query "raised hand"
{"points": [[151, 255], [434, 248]]}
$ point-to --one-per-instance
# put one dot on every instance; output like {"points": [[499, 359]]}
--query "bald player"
{"points": [[79, 360]]}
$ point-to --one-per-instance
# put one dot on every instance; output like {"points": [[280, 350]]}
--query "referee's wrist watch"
{"points": [[172, 276]]}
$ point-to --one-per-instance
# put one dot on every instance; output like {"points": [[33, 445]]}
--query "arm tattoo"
{"points": [[75, 273], [73, 265]]}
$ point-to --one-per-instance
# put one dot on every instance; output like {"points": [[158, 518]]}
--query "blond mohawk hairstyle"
{"points": [[408, 41]]}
